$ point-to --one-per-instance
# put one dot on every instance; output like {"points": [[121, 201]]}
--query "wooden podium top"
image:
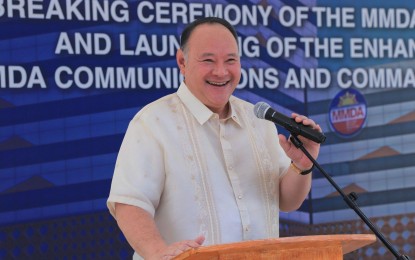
{"points": [[322, 246]]}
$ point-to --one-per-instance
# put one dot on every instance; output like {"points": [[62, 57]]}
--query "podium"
{"points": [[319, 247]]}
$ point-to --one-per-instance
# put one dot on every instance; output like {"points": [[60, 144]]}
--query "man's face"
{"points": [[212, 67]]}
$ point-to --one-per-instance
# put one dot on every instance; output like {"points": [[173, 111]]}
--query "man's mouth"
{"points": [[218, 84]]}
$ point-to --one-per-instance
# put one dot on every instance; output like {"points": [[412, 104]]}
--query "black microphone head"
{"points": [[260, 109]]}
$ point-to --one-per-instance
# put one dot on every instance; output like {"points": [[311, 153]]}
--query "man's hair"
{"points": [[206, 20]]}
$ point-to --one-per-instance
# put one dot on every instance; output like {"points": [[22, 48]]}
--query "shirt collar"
{"points": [[201, 112], [234, 116]]}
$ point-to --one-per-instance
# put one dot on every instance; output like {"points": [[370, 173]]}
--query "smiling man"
{"points": [[209, 61], [197, 166]]}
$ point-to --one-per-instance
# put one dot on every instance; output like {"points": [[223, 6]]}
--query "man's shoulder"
{"points": [[246, 110], [241, 103], [242, 106], [159, 106]]}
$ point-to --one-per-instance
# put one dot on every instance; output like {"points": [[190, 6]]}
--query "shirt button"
{"points": [[240, 197], [230, 168]]}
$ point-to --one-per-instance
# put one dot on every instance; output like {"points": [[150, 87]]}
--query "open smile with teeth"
{"points": [[218, 84]]}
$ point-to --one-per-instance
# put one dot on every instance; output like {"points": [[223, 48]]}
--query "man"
{"points": [[197, 167]]}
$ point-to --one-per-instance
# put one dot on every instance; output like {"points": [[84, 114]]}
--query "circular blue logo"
{"points": [[348, 113]]}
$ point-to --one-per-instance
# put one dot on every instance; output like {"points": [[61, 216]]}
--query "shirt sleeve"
{"points": [[283, 160], [138, 175]]}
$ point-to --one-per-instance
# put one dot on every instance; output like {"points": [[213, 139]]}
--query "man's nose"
{"points": [[220, 70]]}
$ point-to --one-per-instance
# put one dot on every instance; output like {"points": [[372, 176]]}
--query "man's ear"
{"points": [[181, 61]]}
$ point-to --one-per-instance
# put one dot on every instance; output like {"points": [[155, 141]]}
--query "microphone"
{"points": [[264, 111]]}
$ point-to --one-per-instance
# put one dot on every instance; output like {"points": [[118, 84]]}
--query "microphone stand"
{"points": [[350, 199]]}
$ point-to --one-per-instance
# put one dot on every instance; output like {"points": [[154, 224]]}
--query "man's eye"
{"points": [[208, 60]]}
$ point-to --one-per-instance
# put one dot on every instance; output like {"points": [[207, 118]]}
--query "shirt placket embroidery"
{"points": [[234, 180], [209, 219], [269, 189]]}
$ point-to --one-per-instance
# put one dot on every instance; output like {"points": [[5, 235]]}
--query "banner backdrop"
{"points": [[73, 73]]}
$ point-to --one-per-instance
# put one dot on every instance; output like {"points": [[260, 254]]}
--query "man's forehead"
{"points": [[210, 54], [210, 26]]}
